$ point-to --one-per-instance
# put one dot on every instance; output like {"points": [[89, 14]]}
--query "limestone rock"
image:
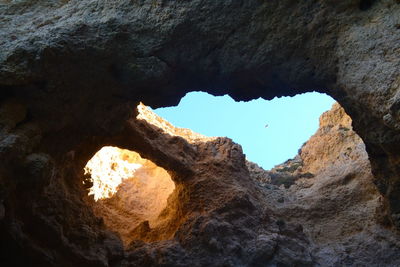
{"points": [[62, 59], [339, 207], [71, 73]]}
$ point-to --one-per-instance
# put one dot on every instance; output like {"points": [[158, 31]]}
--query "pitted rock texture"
{"points": [[216, 214], [340, 209], [138, 198], [63, 59], [71, 73]]}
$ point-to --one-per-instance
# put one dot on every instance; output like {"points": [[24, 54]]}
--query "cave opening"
{"points": [[269, 131], [129, 192], [76, 68], [141, 201]]}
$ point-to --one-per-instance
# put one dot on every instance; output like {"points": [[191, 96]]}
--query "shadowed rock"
{"points": [[71, 73]]}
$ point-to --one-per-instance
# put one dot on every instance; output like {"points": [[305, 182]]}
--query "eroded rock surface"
{"points": [[71, 73], [128, 190], [64, 59], [328, 189], [218, 214]]}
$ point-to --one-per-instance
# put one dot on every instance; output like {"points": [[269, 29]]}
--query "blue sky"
{"points": [[291, 121]]}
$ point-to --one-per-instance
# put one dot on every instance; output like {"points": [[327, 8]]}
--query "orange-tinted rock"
{"points": [[74, 70], [328, 190]]}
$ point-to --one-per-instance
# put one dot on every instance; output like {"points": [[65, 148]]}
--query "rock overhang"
{"points": [[80, 66]]}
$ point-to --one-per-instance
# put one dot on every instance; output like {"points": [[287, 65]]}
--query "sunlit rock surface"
{"points": [[66, 58], [216, 211], [190, 136], [71, 73], [128, 190], [328, 189]]}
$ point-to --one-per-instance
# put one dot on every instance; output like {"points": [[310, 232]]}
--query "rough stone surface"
{"points": [[68, 58], [71, 73], [338, 207], [141, 196], [218, 214]]}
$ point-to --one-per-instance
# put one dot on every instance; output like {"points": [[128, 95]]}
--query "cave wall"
{"points": [[328, 189], [71, 73], [215, 215]]}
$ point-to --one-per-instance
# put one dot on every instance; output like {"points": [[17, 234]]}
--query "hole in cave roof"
{"points": [[270, 132]]}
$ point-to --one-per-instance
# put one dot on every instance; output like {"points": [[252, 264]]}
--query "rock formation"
{"points": [[218, 214], [72, 73], [128, 190], [328, 189]]}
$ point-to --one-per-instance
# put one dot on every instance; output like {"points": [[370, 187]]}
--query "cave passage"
{"points": [[270, 132], [128, 190]]}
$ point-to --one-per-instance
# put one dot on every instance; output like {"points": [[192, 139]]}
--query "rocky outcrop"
{"points": [[218, 213], [76, 65], [71, 73], [215, 215], [128, 191], [328, 189], [335, 143]]}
